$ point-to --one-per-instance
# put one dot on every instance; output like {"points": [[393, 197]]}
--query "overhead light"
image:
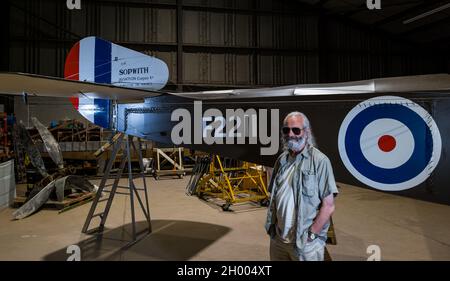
{"points": [[333, 90], [426, 14], [219, 92]]}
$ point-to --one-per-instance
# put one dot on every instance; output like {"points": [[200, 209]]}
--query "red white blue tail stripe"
{"points": [[96, 60]]}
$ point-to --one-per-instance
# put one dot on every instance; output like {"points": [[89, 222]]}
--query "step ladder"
{"points": [[130, 190]]}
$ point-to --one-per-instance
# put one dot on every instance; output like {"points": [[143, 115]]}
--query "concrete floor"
{"points": [[186, 228]]}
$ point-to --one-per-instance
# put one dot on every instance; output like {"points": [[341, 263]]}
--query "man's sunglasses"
{"points": [[295, 130]]}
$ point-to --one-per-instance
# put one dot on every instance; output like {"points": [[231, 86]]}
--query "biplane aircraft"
{"points": [[389, 134]]}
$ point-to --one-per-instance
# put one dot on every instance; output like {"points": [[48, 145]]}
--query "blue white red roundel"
{"points": [[389, 143]]}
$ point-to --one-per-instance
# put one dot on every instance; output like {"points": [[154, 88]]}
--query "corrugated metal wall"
{"points": [[350, 53], [45, 109], [225, 43]]}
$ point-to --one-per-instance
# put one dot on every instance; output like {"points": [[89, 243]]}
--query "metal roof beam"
{"points": [[413, 10]]}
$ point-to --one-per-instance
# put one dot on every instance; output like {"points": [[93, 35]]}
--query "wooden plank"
{"points": [[75, 155], [77, 204], [107, 145], [51, 204]]}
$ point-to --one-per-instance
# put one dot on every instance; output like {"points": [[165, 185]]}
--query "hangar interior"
{"points": [[207, 46]]}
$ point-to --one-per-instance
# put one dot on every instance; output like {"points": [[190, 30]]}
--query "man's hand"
{"points": [[324, 215]]}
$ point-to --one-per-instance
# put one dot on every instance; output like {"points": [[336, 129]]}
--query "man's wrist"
{"points": [[313, 230], [311, 235]]}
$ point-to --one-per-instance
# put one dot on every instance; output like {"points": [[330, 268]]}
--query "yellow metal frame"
{"points": [[229, 184]]}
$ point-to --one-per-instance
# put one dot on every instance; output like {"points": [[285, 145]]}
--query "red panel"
{"points": [[75, 102], [71, 68]]}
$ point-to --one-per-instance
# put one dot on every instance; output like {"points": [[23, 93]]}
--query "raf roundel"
{"points": [[389, 143]]}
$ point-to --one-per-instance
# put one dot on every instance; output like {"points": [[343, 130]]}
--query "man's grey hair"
{"points": [[310, 139]]}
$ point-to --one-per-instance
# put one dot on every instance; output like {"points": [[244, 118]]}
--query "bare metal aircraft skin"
{"points": [[389, 134], [380, 141], [393, 141]]}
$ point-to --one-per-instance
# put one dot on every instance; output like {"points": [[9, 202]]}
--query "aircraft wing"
{"points": [[417, 83], [44, 86], [387, 134]]}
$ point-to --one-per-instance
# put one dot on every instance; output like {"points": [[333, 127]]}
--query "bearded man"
{"points": [[302, 195]]}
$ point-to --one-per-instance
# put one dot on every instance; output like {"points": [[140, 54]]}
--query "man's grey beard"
{"points": [[294, 144]]}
